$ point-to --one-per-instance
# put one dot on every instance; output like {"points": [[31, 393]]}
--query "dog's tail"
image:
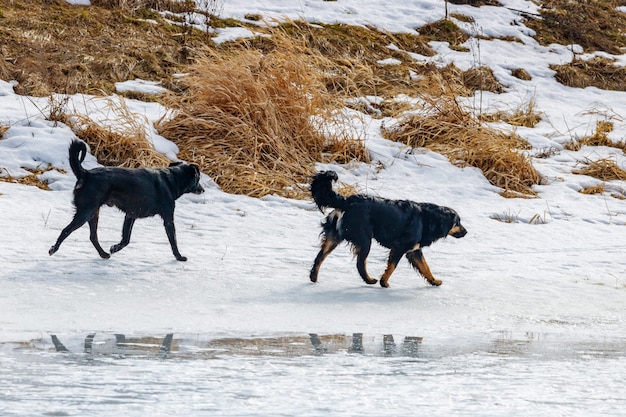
{"points": [[78, 150], [322, 191]]}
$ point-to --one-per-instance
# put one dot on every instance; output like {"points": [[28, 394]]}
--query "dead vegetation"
{"points": [[31, 179], [119, 141], [51, 46], [257, 114], [594, 25], [605, 169], [445, 30], [598, 138], [444, 127], [257, 123], [596, 72], [476, 3], [525, 115]]}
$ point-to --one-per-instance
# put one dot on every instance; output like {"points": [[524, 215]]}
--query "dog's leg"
{"points": [[361, 257], [81, 217], [416, 258], [168, 222], [126, 230], [93, 235], [392, 262], [328, 245]]}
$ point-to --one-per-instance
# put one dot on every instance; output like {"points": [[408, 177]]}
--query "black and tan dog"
{"points": [[402, 226], [138, 192]]}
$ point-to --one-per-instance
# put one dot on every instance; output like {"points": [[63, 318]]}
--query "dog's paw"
{"points": [[434, 282], [384, 284], [52, 250], [181, 258], [371, 281], [105, 255]]}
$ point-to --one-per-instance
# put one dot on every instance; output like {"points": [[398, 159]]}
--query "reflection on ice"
{"points": [[184, 346]]}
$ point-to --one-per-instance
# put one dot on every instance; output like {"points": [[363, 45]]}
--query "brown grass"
{"points": [[446, 128], [481, 78], [3, 129], [31, 179], [56, 47], [522, 74], [594, 25], [476, 3], [444, 30], [524, 116], [350, 55], [593, 189], [597, 72], [598, 138], [604, 169], [125, 144], [252, 121]]}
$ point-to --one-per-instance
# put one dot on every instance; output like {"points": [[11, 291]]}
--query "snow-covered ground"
{"points": [[530, 317]]}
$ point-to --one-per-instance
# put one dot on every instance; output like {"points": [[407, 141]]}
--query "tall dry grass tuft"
{"points": [[253, 121], [445, 127], [524, 115], [604, 169], [121, 141], [598, 138]]}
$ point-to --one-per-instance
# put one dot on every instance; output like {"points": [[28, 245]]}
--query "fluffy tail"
{"points": [[78, 150], [322, 191]]}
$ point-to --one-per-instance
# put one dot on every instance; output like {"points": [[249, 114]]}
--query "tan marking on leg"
{"points": [[418, 262], [328, 245], [384, 279], [424, 269]]}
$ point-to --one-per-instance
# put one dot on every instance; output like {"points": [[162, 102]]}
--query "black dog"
{"points": [[137, 192], [402, 226]]}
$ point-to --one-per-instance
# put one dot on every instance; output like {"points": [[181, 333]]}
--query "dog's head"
{"points": [[191, 174], [453, 221]]}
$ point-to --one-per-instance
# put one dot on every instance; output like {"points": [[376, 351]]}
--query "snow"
{"points": [[529, 318]]}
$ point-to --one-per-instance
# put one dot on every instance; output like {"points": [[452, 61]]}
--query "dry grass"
{"points": [[604, 169], [593, 189], [481, 78], [253, 121], [124, 144], [31, 179], [476, 3], [132, 5], [598, 138], [597, 72], [3, 129], [525, 115], [350, 55], [444, 30], [444, 127], [56, 47], [522, 74], [594, 25]]}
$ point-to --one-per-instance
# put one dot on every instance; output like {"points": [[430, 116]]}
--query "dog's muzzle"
{"points": [[197, 189], [457, 231]]}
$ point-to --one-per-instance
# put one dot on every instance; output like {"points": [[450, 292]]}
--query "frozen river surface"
{"points": [[500, 374]]}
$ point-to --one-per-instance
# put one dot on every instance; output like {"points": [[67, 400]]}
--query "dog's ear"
{"points": [[196, 168], [175, 164]]}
